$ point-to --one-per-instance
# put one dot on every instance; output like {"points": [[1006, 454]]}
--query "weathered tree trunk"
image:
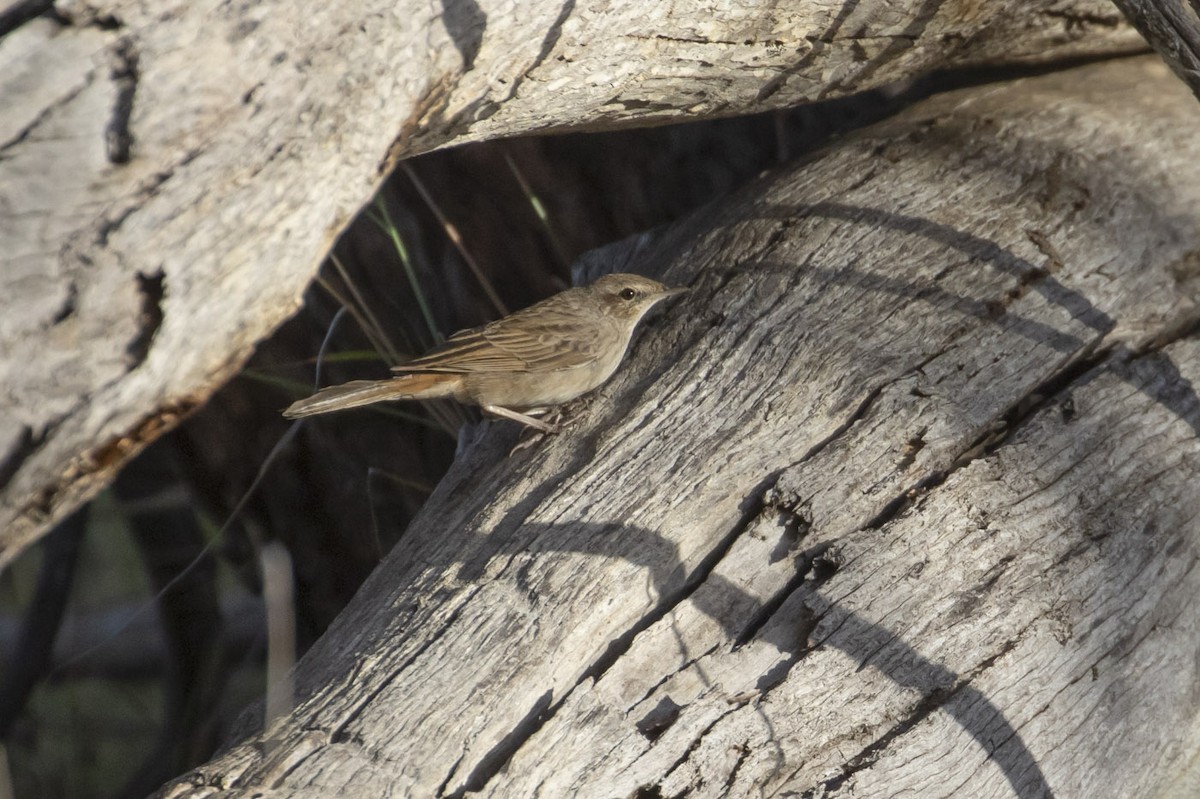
{"points": [[900, 500], [171, 175], [1173, 28]]}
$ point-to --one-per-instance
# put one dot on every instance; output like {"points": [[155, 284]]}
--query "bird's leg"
{"points": [[558, 417], [536, 424], [532, 435]]}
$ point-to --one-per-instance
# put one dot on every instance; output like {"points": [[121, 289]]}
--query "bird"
{"points": [[520, 365]]}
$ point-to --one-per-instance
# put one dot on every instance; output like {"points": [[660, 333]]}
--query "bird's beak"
{"points": [[666, 293]]}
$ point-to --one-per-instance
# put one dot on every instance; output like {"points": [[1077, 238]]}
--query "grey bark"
{"points": [[171, 176], [900, 500], [1173, 28]]}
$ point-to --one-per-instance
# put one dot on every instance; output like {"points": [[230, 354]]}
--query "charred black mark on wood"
{"points": [[1067, 409], [118, 139], [69, 304], [151, 287]]}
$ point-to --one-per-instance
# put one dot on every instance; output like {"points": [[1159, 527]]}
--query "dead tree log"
{"points": [[1172, 27], [901, 499], [171, 176]]}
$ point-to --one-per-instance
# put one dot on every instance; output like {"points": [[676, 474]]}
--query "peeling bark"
{"points": [[899, 500]]}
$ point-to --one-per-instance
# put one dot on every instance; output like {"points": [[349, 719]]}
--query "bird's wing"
{"points": [[511, 344]]}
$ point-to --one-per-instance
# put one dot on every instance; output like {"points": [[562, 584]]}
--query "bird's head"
{"points": [[630, 297]]}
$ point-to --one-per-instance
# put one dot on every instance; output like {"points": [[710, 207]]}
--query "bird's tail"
{"points": [[365, 392]]}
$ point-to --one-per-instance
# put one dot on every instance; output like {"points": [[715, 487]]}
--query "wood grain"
{"points": [[171, 175], [904, 500]]}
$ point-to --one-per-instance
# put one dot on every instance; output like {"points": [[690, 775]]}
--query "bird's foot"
{"points": [[527, 420], [553, 420]]}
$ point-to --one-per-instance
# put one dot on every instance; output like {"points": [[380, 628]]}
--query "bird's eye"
{"points": [[628, 294]]}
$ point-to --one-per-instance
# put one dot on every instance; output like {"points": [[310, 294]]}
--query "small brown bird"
{"points": [[534, 359]]}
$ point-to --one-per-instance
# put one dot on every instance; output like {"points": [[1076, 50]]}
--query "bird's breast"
{"points": [[524, 390]]}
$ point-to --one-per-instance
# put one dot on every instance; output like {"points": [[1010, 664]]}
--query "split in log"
{"points": [[899, 500], [171, 176]]}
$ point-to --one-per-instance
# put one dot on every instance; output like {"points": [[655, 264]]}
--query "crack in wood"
{"points": [[762, 44], [503, 751], [288, 759], [450, 772], [24, 133], [1005, 425], [664, 679], [118, 138], [697, 741], [743, 750], [69, 304], [500, 755], [111, 223], [768, 609], [620, 645], [935, 700], [152, 290]]}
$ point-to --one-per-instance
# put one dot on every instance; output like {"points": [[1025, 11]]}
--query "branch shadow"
{"points": [[466, 23], [859, 639], [1176, 393]]}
